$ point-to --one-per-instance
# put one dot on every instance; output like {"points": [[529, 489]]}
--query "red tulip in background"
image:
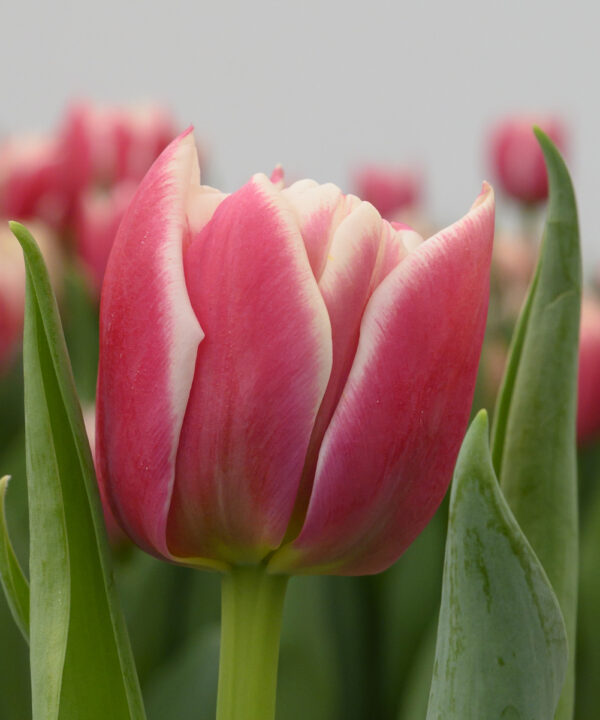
{"points": [[80, 179], [517, 159], [279, 374], [30, 180], [588, 394], [389, 190]]}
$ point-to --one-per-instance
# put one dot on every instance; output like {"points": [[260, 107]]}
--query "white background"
{"points": [[322, 86]]}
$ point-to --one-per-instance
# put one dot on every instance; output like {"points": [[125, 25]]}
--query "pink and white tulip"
{"points": [[517, 159], [281, 376]]}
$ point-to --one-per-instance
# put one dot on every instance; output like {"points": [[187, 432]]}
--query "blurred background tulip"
{"points": [[516, 157], [588, 398]]}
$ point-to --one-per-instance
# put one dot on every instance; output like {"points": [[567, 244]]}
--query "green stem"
{"points": [[251, 610]]}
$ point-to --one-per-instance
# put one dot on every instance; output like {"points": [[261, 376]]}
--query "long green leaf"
{"points": [[534, 430], [81, 662], [14, 582], [501, 647]]}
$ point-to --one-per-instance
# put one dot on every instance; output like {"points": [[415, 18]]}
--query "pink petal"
{"points": [[388, 454], [149, 335], [260, 376], [319, 209], [346, 284]]}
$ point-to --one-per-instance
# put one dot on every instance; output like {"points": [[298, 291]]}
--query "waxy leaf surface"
{"points": [[533, 444], [81, 663], [501, 647]]}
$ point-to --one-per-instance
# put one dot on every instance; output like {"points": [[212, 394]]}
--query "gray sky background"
{"points": [[322, 86]]}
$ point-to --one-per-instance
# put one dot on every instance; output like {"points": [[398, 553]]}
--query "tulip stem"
{"points": [[251, 611]]}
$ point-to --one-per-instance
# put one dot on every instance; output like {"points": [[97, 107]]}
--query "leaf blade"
{"points": [[14, 582], [534, 439], [502, 645], [91, 666]]}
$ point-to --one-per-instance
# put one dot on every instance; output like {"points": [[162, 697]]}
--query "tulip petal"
{"points": [[260, 376], [346, 284], [388, 454], [319, 209], [149, 335]]}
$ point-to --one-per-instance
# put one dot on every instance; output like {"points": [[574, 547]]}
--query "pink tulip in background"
{"points": [[517, 159], [80, 179], [30, 180], [588, 395], [280, 373], [96, 220], [12, 286], [389, 190]]}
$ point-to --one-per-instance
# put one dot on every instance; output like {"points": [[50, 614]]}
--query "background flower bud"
{"points": [[517, 159]]}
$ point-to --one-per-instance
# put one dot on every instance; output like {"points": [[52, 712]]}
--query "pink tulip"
{"points": [[280, 374], [97, 217], [105, 145], [517, 158], [588, 396], [389, 190], [29, 180]]}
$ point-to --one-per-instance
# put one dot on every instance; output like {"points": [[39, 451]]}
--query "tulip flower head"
{"points": [[284, 376], [517, 159]]}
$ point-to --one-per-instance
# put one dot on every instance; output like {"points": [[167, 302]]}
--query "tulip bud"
{"points": [[517, 159], [389, 190], [281, 376], [588, 395]]}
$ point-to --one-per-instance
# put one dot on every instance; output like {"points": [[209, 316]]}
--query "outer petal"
{"points": [[149, 336], [388, 454], [260, 376]]}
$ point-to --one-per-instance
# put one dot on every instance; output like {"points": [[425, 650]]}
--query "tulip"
{"points": [[284, 382], [30, 180], [389, 190], [97, 217], [106, 145], [588, 395], [517, 158], [284, 377]]}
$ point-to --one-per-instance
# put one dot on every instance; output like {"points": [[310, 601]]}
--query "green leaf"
{"points": [[14, 582], [534, 430], [502, 647], [81, 663]]}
